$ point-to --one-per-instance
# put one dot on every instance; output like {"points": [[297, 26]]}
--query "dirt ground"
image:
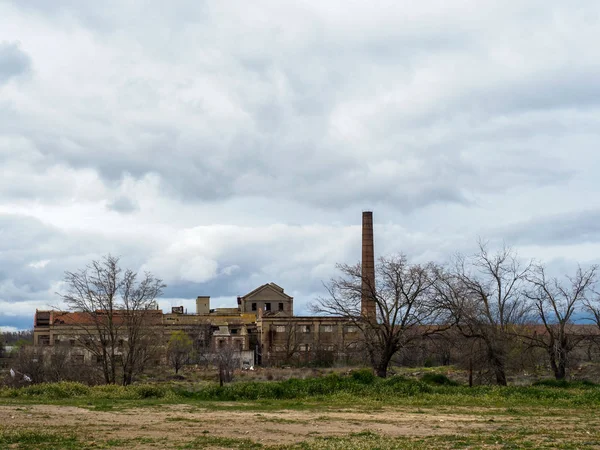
{"points": [[172, 426]]}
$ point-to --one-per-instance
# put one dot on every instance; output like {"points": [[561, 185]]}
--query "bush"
{"points": [[364, 376], [565, 384], [149, 391], [439, 379]]}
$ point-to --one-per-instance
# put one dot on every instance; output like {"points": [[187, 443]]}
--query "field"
{"points": [[330, 412]]}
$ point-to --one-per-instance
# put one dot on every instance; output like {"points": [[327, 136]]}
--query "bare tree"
{"points": [[226, 358], [401, 293], [290, 342], [118, 314], [555, 303], [483, 295]]}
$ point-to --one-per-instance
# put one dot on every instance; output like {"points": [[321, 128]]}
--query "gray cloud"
{"points": [[577, 227], [14, 62], [223, 147], [123, 205]]}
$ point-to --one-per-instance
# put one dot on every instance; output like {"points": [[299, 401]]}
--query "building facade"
{"points": [[263, 328]]}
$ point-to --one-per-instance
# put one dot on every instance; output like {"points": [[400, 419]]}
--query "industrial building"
{"points": [[263, 327]]}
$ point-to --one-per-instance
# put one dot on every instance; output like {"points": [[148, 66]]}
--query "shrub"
{"points": [[565, 384], [439, 379], [149, 391], [364, 376]]}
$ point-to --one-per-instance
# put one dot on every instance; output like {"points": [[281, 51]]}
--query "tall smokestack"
{"points": [[367, 304]]}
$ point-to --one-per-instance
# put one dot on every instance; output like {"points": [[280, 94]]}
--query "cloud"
{"points": [[14, 62], [575, 227], [123, 205], [224, 147]]}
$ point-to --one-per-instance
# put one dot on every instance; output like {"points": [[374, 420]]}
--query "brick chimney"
{"points": [[367, 304]]}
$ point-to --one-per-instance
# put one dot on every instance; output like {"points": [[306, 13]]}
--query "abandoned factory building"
{"points": [[263, 327]]}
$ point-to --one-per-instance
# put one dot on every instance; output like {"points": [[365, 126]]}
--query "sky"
{"points": [[222, 146]]}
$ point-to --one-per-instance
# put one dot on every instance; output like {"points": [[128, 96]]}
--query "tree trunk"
{"points": [[381, 366], [558, 365], [499, 370], [381, 371], [471, 372]]}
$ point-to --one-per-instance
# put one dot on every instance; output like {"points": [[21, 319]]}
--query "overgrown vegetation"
{"points": [[334, 388]]}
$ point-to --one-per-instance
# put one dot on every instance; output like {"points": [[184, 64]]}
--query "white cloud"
{"points": [[224, 147]]}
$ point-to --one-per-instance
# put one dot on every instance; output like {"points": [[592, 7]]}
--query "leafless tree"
{"points": [[401, 293], [483, 295], [118, 315], [201, 335], [290, 343], [226, 358], [555, 303]]}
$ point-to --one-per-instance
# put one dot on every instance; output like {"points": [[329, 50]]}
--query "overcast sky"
{"points": [[223, 147]]}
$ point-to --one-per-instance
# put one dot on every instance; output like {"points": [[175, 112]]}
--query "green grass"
{"points": [[29, 439], [362, 391], [26, 439], [367, 439]]}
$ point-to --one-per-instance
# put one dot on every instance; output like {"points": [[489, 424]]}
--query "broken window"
{"points": [[280, 328], [304, 348], [280, 306], [234, 331], [42, 319], [44, 340], [71, 342], [267, 307], [253, 306], [306, 328], [351, 329], [77, 358], [326, 328]]}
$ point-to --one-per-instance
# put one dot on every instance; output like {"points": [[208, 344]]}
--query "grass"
{"points": [[548, 414], [25, 439], [333, 390]]}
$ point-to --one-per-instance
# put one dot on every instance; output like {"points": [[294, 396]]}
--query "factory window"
{"points": [[267, 307], [234, 331], [56, 341], [328, 348], [351, 329], [44, 340], [253, 306], [281, 307], [280, 329], [304, 348], [326, 328], [306, 328]]}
